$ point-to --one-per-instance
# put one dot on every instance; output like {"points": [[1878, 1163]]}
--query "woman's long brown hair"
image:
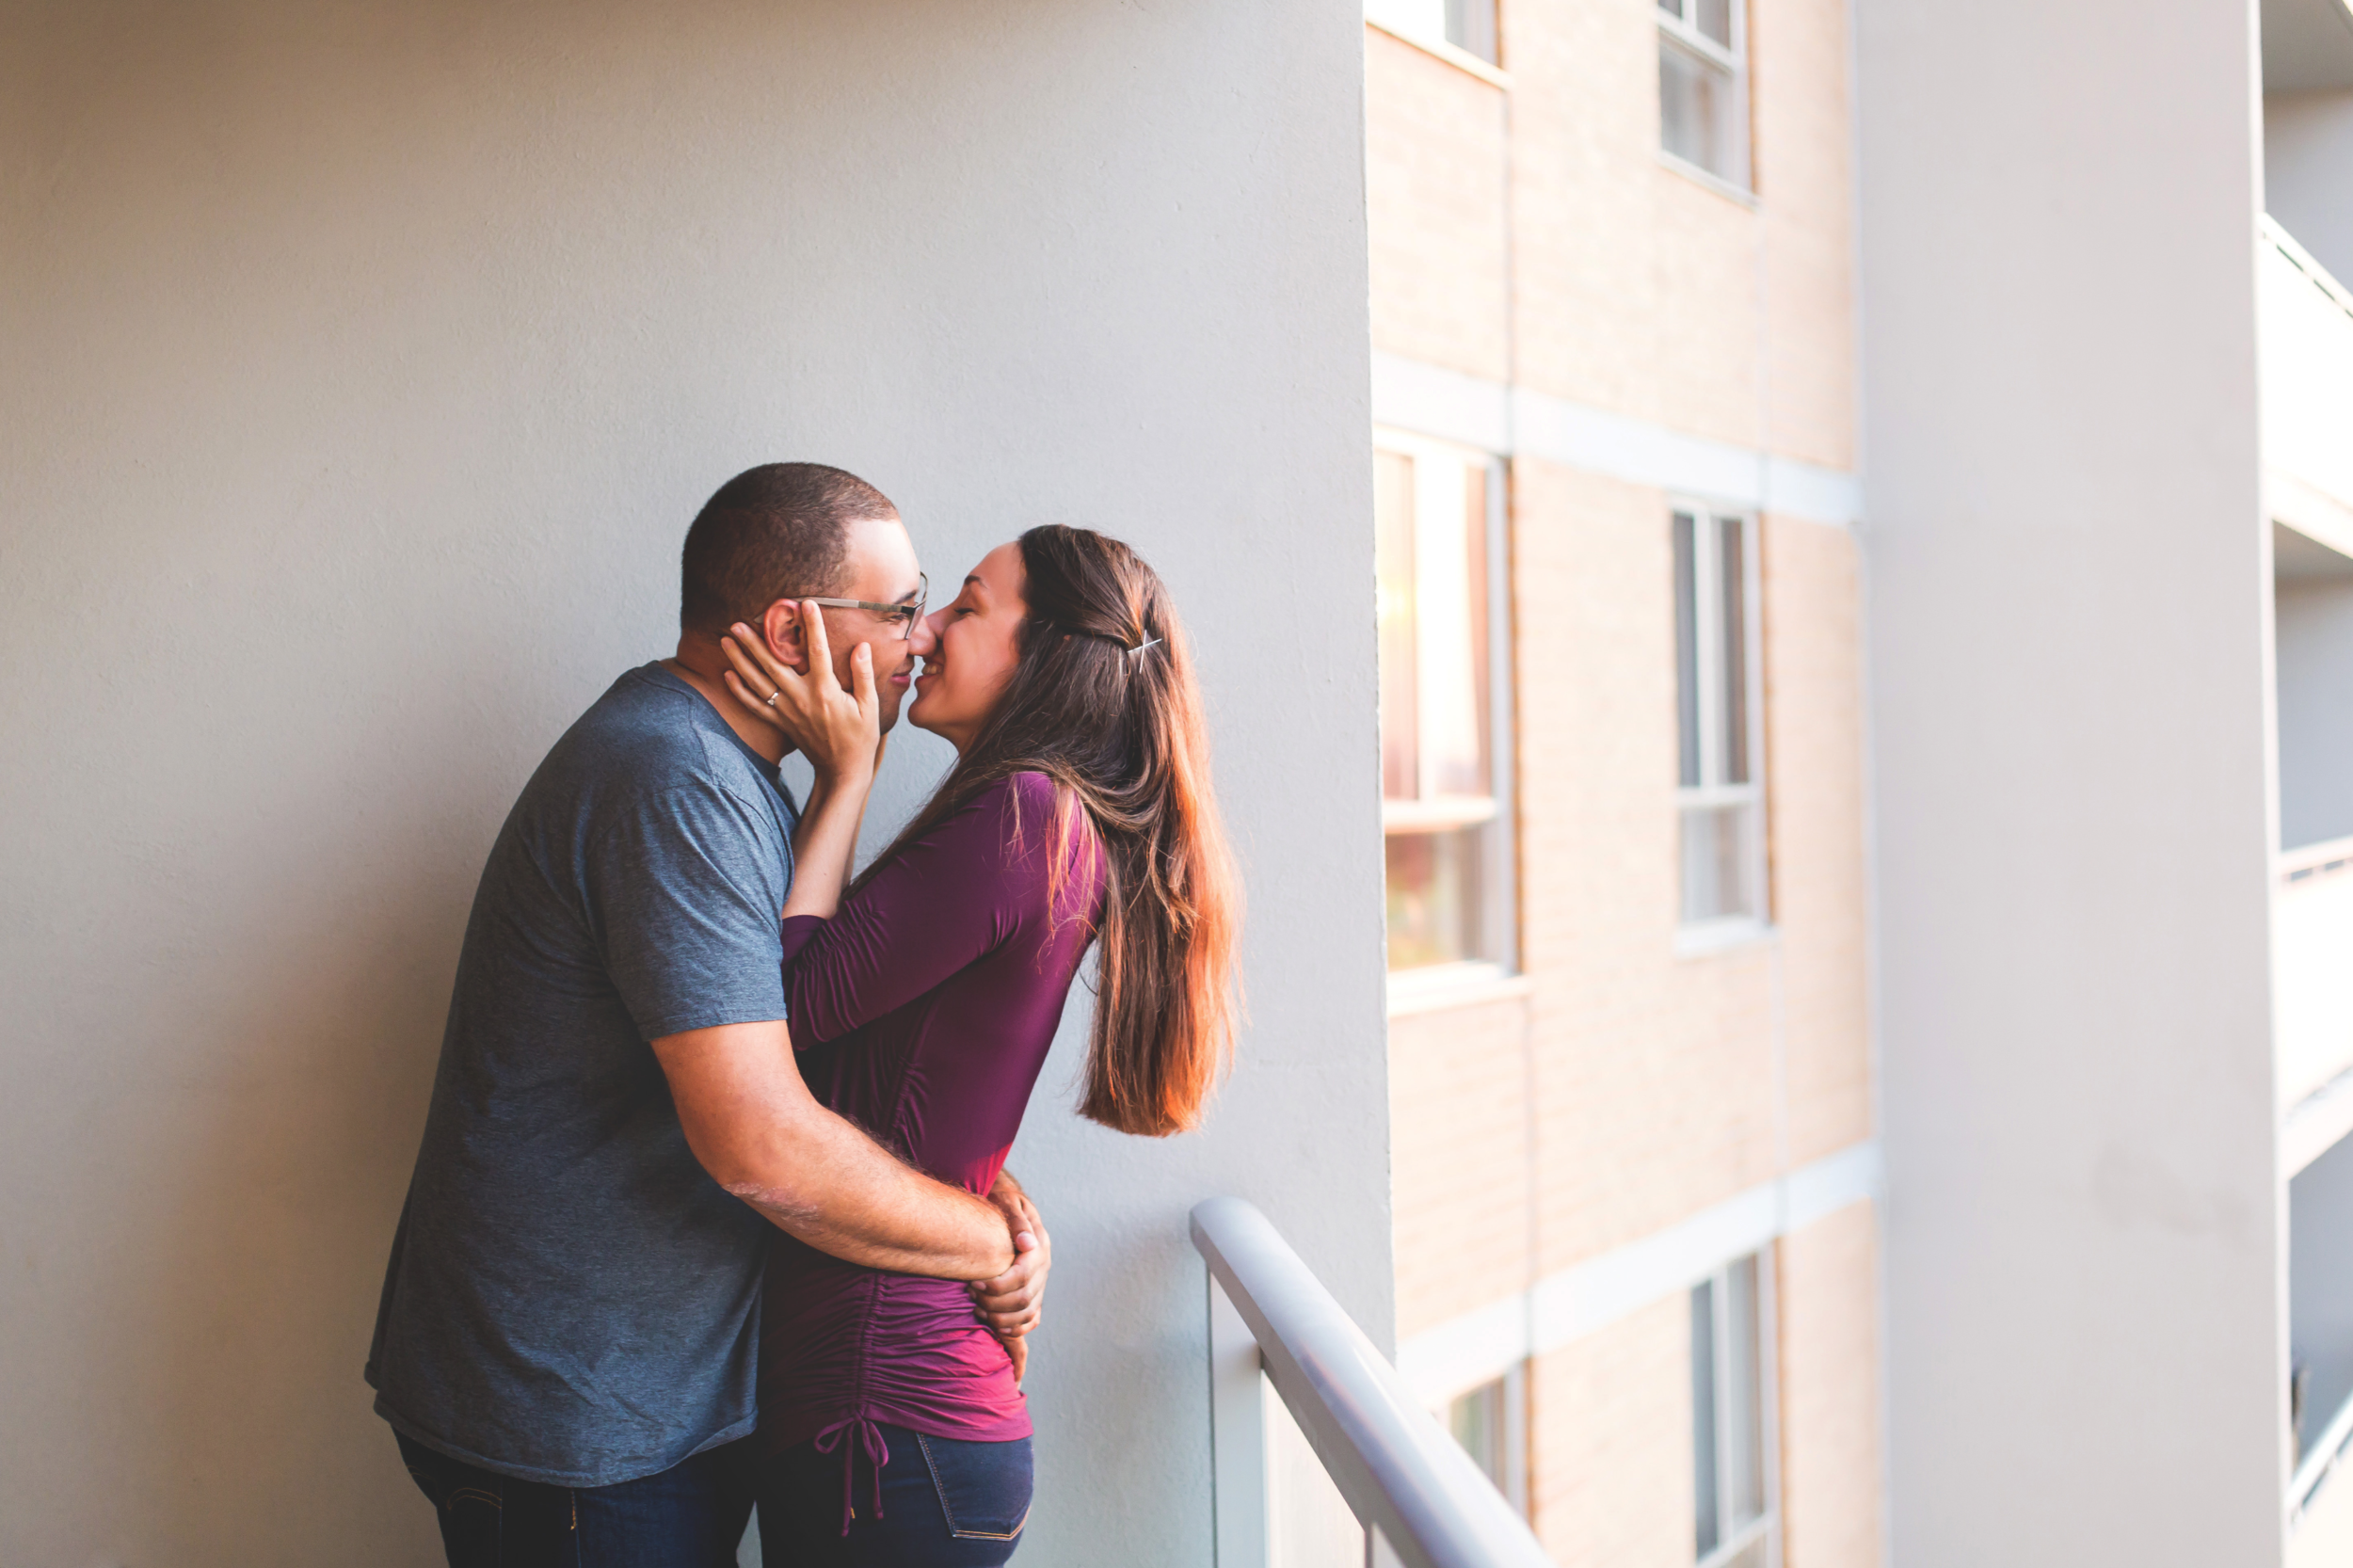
{"points": [[1102, 700]]}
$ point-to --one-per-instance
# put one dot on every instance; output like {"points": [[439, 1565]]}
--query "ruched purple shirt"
{"points": [[923, 1012]]}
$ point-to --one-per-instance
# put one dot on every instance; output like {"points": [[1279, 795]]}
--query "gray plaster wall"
{"points": [[2320, 1274], [2308, 172], [364, 362], [2069, 578], [2316, 651]]}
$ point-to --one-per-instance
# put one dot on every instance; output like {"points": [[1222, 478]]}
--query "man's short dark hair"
{"points": [[771, 533]]}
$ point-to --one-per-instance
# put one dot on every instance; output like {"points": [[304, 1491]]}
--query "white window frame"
{"points": [[1699, 936], [1499, 864], [1766, 1525], [1680, 31], [1512, 1425]]}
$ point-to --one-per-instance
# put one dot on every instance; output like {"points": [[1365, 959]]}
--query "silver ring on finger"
{"points": [[772, 696]]}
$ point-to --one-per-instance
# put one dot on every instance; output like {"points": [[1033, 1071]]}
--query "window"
{"points": [[1731, 1424], [1437, 513], [1476, 1419], [1703, 87], [1471, 26], [1717, 693], [1468, 24], [1491, 1423]]}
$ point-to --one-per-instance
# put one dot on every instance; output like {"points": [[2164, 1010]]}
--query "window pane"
{"points": [[1393, 566], [1716, 861], [1714, 20], [1673, 8], [1744, 1399], [1704, 1416], [1434, 898], [1686, 652], [1471, 26], [1733, 582], [1448, 608], [1476, 1420], [1695, 110]]}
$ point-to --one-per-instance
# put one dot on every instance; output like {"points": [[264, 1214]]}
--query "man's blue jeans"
{"points": [[691, 1515]]}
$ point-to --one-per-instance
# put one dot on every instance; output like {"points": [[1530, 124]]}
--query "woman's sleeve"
{"points": [[942, 902]]}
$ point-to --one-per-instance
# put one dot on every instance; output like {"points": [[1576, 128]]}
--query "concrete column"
{"points": [[2068, 577]]}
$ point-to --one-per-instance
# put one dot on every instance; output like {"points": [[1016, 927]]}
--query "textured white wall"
{"points": [[2306, 344], [364, 364], [2069, 579]]}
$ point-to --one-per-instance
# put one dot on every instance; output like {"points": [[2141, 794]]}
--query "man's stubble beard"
{"points": [[889, 700]]}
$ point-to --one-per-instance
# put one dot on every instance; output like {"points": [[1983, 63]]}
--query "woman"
{"points": [[924, 997]]}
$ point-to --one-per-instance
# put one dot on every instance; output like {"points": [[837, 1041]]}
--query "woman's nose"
{"points": [[924, 635]]}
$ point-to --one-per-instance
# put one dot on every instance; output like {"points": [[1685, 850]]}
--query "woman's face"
{"points": [[970, 648]]}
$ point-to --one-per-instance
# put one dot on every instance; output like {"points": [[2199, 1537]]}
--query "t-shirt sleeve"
{"points": [[942, 902], [686, 886]]}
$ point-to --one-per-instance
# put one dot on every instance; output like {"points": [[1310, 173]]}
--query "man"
{"points": [[567, 1340]]}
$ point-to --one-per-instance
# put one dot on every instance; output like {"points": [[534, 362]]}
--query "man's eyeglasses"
{"points": [[902, 616]]}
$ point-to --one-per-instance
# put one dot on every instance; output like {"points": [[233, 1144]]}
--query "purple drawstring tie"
{"points": [[869, 1438]]}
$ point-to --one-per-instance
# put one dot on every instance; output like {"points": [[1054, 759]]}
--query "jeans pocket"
{"points": [[474, 1525], [984, 1487]]}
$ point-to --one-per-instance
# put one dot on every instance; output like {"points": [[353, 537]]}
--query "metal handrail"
{"points": [[1396, 1467], [2305, 262], [2320, 1461], [2306, 862]]}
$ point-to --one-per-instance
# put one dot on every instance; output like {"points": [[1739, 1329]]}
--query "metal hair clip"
{"points": [[1137, 651]]}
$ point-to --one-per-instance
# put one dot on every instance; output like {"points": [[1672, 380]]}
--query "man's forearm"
{"points": [[752, 1124], [849, 1198]]}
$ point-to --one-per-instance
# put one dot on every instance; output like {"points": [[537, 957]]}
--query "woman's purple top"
{"points": [[923, 1012]]}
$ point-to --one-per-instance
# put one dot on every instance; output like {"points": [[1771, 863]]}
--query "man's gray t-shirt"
{"points": [[570, 1298]]}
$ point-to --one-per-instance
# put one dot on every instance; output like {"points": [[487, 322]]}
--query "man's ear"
{"points": [[781, 627]]}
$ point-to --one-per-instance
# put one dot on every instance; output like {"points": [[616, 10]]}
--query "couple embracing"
{"points": [[712, 1206]]}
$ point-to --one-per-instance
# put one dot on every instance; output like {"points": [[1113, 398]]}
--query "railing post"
{"points": [[1238, 1437]]}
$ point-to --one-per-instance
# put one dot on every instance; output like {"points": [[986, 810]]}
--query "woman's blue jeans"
{"points": [[946, 1503]]}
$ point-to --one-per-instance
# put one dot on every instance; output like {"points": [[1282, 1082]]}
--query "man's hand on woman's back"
{"points": [[1014, 1303]]}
